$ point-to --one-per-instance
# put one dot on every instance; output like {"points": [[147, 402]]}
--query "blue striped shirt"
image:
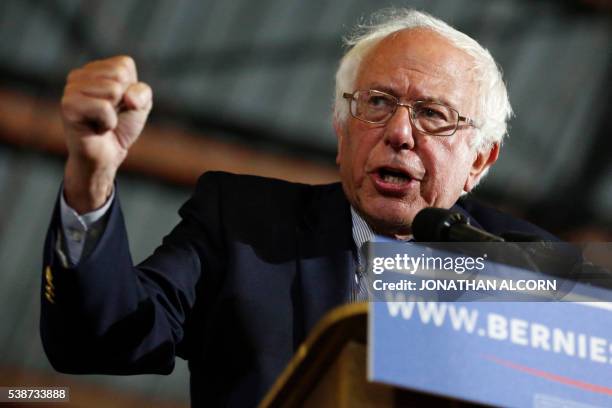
{"points": [[362, 233]]}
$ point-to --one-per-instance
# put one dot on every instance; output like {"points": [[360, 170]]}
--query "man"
{"points": [[420, 113]]}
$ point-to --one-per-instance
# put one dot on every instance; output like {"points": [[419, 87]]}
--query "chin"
{"points": [[389, 216]]}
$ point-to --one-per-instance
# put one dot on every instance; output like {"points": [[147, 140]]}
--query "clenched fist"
{"points": [[104, 109]]}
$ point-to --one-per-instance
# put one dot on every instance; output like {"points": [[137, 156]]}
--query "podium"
{"points": [[330, 370], [511, 354]]}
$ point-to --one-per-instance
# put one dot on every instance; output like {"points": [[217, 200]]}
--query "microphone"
{"points": [[442, 225]]}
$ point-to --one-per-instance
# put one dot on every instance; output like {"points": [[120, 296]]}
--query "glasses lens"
{"points": [[373, 106], [435, 119]]}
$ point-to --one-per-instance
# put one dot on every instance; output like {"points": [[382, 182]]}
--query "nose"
{"points": [[398, 130]]}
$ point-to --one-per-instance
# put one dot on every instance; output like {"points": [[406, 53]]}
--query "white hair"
{"points": [[493, 107]]}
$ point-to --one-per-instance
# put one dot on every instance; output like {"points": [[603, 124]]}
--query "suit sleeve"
{"points": [[107, 316]]}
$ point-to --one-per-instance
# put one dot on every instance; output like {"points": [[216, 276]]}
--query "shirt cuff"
{"points": [[77, 228]]}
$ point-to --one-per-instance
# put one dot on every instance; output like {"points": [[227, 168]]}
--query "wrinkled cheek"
{"points": [[427, 193], [358, 172], [359, 179]]}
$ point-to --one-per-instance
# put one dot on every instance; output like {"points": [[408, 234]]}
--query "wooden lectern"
{"points": [[329, 370]]}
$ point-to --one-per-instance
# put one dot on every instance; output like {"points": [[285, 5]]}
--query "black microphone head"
{"points": [[432, 224]]}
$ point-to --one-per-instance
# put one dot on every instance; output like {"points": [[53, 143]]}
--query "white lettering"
{"points": [[406, 309], [582, 346], [497, 326], [598, 349], [461, 317], [377, 266], [564, 342], [539, 336], [432, 311], [518, 332], [389, 264]]}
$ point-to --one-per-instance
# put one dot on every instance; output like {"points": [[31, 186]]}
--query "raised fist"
{"points": [[104, 109]]}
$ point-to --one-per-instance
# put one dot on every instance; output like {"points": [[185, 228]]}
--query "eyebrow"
{"points": [[440, 101], [391, 91], [384, 88]]}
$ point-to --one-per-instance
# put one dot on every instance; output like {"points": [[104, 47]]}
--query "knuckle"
{"points": [[105, 107], [115, 90], [91, 65], [68, 108], [145, 90], [120, 73], [128, 64], [101, 111], [67, 89], [67, 101], [126, 60], [73, 74], [72, 87]]}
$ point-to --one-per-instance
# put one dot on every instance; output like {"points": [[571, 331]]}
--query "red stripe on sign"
{"points": [[600, 389]]}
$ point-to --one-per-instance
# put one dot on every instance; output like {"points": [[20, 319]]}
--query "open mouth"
{"points": [[393, 176], [393, 182]]}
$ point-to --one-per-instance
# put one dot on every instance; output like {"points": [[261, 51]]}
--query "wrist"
{"points": [[87, 189]]}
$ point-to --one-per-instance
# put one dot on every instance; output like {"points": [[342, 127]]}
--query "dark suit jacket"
{"points": [[234, 288]]}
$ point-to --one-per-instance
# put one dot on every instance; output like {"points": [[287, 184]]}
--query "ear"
{"points": [[340, 129], [483, 160]]}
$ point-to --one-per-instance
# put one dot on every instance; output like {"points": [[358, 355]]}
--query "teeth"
{"points": [[394, 179]]}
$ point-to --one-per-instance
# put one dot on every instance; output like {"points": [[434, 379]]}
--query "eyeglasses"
{"points": [[432, 118]]}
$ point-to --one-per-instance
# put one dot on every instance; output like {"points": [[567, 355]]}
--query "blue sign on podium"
{"points": [[538, 354]]}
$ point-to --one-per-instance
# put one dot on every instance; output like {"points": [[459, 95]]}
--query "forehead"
{"points": [[419, 63]]}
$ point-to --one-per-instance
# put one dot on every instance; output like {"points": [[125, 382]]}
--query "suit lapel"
{"points": [[325, 254]]}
